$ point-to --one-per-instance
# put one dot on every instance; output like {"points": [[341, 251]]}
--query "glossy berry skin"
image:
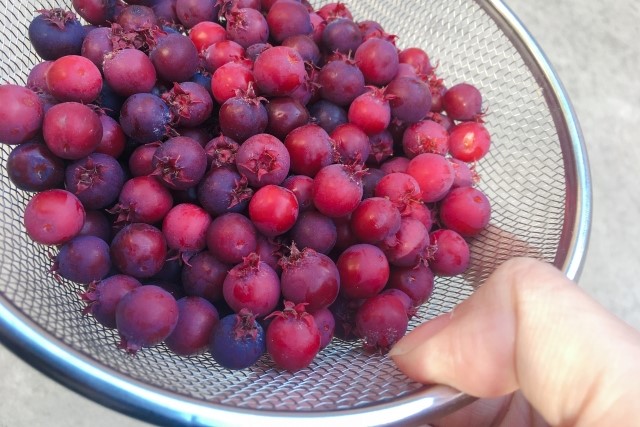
{"points": [[375, 219], [191, 12], [197, 318], [264, 160], [144, 117], [425, 136], [96, 180], [404, 298], [465, 175], [222, 52], [96, 224], [369, 182], [83, 259], [364, 270], [185, 228], [97, 45], [96, 12], [139, 250], [21, 114], [370, 112], [469, 141], [463, 102], [206, 33], [242, 117], [37, 78], [203, 276], [302, 187], [310, 149], [231, 237], [341, 35], [140, 160], [224, 190], [434, 175], [314, 230], [415, 281], [136, 17], [252, 285], [273, 210], [270, 252], [400, 188], [279, 71], [175, 58], [252, 52], [286, 19], [142, 199], [284, 115], [417, 59], [103, 297], [378, 60], [31, 166], [452, 254], [305, 46], [326, 324], [415, 209], [406, 247], [395, 164], [56, 33], [381, 321], [246, 26], [129, 71], [145, 317], [465, 210], [228, 79], [74, 78], [53, 217], [309, 277], [237, 341], [113, 139], [293, 339], [410, 99], [340, 82], [337, 190], [180, 163], [351, 144], [71, 130]]}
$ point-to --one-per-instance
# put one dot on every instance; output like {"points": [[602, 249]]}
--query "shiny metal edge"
{"points": [[151, 404], [114, 390], [577, 225]]}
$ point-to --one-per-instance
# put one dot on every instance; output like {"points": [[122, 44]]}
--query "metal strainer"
{"points": [[536, 177]]}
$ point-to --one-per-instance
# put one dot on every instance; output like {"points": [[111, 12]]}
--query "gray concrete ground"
{"points": [[593, 46]]}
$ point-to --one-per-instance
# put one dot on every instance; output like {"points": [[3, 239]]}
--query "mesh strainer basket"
{"points": [[536, 177]]}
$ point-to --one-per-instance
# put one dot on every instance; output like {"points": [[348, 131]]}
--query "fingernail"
{"points": [[420, 335]]}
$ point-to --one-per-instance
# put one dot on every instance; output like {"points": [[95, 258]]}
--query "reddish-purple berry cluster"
{"points": [[289, 168]]}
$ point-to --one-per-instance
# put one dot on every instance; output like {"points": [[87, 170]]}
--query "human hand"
{"points": [[535, 348]]}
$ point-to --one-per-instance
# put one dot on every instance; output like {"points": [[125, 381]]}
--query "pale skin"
{"points": [[535, 349]]}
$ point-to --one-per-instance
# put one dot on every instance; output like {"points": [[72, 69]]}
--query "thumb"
{"points": [[530, 328]]}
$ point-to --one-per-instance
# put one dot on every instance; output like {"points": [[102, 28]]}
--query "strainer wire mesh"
{"points": [[535, 176]]}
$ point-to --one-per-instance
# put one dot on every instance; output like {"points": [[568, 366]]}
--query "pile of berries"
{"points": [[243, 176]]}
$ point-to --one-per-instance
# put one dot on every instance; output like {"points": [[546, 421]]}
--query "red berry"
{"points": [[273, 210], [451, 255], [469, 141], [53, 217], [364, 270], [293, 339], [465, 210]]}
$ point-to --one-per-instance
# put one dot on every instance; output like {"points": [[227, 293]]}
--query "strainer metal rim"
{"points": [[106, 386]]}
